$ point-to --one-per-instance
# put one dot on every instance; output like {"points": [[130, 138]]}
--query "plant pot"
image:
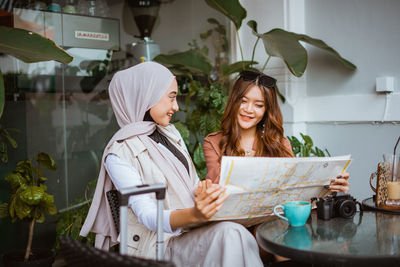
{"points": [[39, 257]]}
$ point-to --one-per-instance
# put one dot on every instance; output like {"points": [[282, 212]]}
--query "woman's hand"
{"points": [[208, 200], [340, 183]]}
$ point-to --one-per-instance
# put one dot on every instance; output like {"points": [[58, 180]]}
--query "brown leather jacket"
{"points": [[212, 154]]}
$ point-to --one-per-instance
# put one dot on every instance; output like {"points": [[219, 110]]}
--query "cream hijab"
{"points": [[132, 92]]}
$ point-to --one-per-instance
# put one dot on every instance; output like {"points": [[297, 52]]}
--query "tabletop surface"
{"points": [[373, 236]]}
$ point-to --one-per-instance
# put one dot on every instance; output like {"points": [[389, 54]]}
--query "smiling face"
{"points": [[163, 110], [252, 108]]}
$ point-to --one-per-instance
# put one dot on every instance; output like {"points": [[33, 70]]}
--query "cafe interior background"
{"points": [[64, 110]]}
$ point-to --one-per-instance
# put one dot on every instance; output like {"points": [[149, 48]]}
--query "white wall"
{"points": [[337, 107], [367, 33]]}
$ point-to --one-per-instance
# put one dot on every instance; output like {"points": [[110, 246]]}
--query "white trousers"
{"points": [[219, 244]]}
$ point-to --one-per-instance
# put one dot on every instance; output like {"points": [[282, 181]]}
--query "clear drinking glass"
{"points": [[393, 185]]}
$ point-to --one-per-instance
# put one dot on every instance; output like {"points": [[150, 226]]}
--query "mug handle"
{"points": [[371, 178], [277, 214]]}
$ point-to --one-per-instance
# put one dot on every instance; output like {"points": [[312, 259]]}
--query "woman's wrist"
{"points": [[196, 215], [184, 217]]}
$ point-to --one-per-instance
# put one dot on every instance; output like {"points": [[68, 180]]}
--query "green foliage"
{"points": [[71, 220], [286, 45], [29, 198], [30, 47], [306, 148], [277, 42], [6, 140], [204, 106], [230, 8]]}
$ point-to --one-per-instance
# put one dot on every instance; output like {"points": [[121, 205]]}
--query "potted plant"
{"points": [[29, 201], [29, 47], [206, 85]]}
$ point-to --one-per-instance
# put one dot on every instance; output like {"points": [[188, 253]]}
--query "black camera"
{"points": [[336, 205]]}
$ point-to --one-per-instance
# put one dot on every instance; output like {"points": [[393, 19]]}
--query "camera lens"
{"points": [[347, 209]]}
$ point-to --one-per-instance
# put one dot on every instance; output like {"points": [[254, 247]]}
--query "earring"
{"points": [[263, 129]]}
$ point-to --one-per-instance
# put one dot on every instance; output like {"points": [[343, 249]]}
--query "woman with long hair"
{"points": [[252, 126]]}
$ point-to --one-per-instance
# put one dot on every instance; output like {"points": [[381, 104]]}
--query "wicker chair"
{"points": [[114, 202], [77, 254]]}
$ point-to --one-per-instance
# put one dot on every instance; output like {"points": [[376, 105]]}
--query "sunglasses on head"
{"points": [[264, 80]]}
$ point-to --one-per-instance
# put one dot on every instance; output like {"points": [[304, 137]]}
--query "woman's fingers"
{"points": [[208, 183], [209, 205], [213, 195], [340, 184], [199, 188], [214, 207]]}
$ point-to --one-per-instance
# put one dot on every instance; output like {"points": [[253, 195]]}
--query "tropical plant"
{"points": [[306, 147], [205, 85], [70, 220], [202, 118], [29, 200]]}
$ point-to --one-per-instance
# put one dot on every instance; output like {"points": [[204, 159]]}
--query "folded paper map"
{"points": [[257, 184]]}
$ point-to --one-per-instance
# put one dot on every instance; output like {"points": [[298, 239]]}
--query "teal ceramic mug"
{"points": [[296, 212]]}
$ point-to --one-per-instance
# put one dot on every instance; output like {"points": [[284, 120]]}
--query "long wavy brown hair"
{"points": [[271, 142]]}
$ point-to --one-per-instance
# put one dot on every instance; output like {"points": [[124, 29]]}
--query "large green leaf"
{"points": [[16, 180], [22, 210], [198, 158], [1, 94], [236, 67], [47, 204], [286, 45], [46, 161], [321, 44], [230, 8], [33, 195], [191, 60], [30, 47]]}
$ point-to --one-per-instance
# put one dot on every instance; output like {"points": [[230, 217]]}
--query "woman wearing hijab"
{"points": [[146, 150]]}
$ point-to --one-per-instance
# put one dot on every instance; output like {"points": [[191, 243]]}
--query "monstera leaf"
{"points": [[230, 8], [190, 60], [286, 45]]}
